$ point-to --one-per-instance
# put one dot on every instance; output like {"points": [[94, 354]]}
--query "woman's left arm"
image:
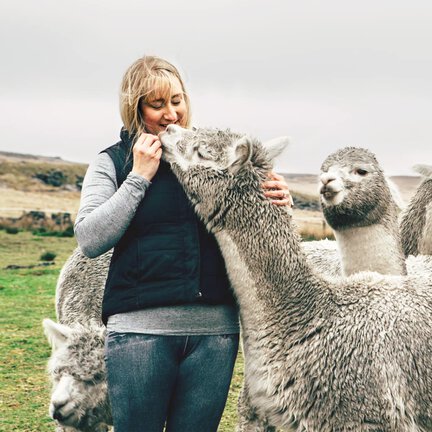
{"points": [[277, 189]]}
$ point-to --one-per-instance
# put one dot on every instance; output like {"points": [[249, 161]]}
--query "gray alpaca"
{"points": [[79, 399], [416, 221], [359, 203], [321, 355]]}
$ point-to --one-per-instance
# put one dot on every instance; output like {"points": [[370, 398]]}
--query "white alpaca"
{"points": [[79, 398], [320, 355]]}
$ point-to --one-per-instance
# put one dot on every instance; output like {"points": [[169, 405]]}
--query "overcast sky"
{"points": [[327, 73]]}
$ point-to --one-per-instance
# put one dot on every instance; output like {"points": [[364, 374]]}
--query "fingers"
{"points": [[277, 189], [148, 144], [148, 141], [274, 176], [158, 153], [283, 202], [274, 184], [282, 196], [279, 194]]}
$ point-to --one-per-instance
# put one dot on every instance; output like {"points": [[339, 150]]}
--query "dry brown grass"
{"points": [[21, 192], [20, 174], [312, 225], [14, 202]]}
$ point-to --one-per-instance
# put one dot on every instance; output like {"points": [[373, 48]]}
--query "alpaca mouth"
{"points": [[330, 197], [167, 155], [67, 420], [329, 194]]}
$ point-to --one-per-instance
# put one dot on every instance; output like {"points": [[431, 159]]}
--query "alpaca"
{"points": [[349, 354], [416, 221], [79, 399], [361, 206], [357, 203]]}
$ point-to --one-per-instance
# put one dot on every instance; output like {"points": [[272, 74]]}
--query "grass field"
{"points": [[26, 297]]}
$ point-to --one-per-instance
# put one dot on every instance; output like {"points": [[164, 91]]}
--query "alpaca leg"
{"points": [[249, 419]]}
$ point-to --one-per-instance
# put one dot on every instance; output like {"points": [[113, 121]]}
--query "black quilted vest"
{"points": [[166, 256]]}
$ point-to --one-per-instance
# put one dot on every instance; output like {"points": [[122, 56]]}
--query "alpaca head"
{"points": [[209, 162], [79, 397], [353, 189]]}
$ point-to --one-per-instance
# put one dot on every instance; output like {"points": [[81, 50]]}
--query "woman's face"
{"points": [[158, 113]]}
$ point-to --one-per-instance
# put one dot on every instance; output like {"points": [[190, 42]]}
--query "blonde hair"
{"points": [[148, 78]]}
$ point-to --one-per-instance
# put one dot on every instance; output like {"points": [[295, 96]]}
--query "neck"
{"points": [[371, 248], [266, 265]]}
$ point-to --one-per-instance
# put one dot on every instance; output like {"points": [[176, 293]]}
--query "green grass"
{"points": [[26, 297]]}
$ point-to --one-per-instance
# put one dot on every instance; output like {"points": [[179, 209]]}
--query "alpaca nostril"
{"points": [[325, 180], [57, 415], [170, 128]]}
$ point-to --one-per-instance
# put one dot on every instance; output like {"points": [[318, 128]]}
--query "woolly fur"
{"points": [[321, 355]]}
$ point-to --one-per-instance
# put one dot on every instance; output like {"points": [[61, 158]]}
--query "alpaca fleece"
{"points": [[320, 355]]}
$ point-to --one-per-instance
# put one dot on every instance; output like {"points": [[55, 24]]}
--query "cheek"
{"points": [[151, 116], [182, 113]]}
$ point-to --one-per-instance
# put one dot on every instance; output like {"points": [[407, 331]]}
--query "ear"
{"points": [[56, 333], [424, 170], [276, 146], [240, 154]]}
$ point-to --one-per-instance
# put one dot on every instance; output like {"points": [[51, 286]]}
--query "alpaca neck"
{"points": [[425, 242], [266, 266], [370, 248]]}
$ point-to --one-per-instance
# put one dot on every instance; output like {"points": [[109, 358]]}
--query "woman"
{"points": [[172, 323]]}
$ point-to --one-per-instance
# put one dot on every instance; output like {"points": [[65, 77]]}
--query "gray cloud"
{"points": [[327, 73]]}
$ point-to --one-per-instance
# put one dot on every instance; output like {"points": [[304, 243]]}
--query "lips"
{"points": [[166, 125], [328, 192]]}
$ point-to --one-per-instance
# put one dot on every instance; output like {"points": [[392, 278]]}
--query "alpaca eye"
{"points": [[202, 154], [361, 172]]}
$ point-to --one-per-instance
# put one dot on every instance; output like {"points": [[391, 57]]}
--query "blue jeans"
{"points": [[180, 381]]}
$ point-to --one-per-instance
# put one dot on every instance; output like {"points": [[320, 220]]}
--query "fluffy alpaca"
{"points": [[358, 204], [320, 355], [79, 398]]}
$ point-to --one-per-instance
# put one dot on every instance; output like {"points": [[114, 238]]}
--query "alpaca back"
{"points": [[80, 288]]}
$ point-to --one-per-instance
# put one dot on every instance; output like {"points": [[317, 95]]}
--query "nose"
{"points": [[170, 113], [326, 178], [56, 414]]}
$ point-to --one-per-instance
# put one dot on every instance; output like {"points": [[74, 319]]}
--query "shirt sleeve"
{"points": [[105, 210]]}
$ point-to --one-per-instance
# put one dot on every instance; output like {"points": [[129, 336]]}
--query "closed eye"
{"points": [[201, 152]]}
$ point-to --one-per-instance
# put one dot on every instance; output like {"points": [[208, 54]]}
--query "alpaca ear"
{"points": [[424, 170], [276, 146], [240, 154], [56, 333]]}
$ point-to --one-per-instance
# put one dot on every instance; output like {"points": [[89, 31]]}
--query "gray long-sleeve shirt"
{"points": [[104, 215]]}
